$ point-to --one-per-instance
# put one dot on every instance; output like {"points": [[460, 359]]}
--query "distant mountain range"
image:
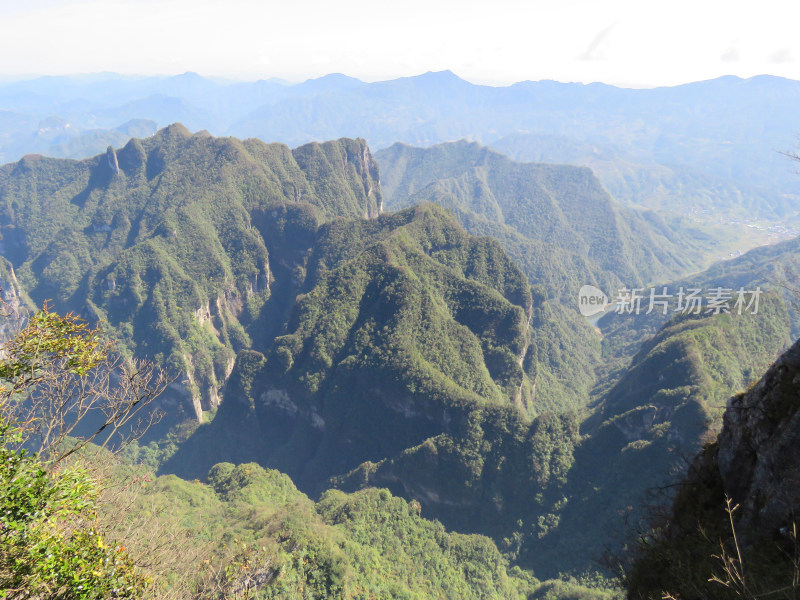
{"points": [[728, 128]]}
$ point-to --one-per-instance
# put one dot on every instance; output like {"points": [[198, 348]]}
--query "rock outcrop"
{"points": [[734, 518], [759, 449], [113, 162], [13, 312]]}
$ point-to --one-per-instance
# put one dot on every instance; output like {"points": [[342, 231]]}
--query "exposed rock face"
{"points": [[9, 286], [111, 157], [759, 449], [367, 168], [13, 303], [755, 466]]}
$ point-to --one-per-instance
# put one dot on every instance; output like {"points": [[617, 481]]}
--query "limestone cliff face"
{"points": [[13, 311], [113, 162], [9, 285], [759, 449], [346, 163], [367, 168]]}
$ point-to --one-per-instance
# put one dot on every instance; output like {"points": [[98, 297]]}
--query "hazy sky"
{"points": [[634, 43]]}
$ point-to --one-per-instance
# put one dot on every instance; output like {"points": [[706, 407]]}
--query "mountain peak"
{"points": [[188, 75], [175, 129], [446, 76], [332, 79]]}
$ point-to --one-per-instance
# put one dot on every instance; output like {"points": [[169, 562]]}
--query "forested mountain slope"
{"points": [[403, 327], [556, 221], [175, 240], [665, 188], [563, 229]]}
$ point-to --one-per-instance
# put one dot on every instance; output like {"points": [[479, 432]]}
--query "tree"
{"points": [[60, 376], [54, 375]]}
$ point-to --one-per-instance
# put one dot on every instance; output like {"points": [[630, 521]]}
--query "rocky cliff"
{"points": [[732, 530], [758, 451]]}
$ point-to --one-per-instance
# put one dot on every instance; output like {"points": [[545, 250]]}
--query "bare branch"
{"points": [[64, 381]]}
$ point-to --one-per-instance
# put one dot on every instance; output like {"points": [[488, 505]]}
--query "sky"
{"points": [[622, 42]]}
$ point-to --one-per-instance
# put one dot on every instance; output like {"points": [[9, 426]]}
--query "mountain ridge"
{"points": [[686, 125], [124, 233]]}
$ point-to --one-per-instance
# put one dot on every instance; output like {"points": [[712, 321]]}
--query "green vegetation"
{"points": [[168, 240], [561, 227], [366, 545], [316, 404], [556, 221], [666, 404], [247, 533], [51, 543], [358, 350], [405, 324]]}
